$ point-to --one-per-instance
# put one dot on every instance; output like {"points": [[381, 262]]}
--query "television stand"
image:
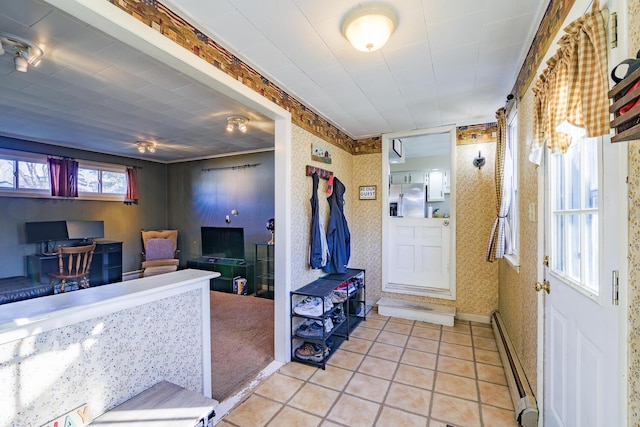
{"points": [[228, 269]]}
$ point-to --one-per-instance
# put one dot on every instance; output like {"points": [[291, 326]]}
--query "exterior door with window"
{"points": [[582, 337]]}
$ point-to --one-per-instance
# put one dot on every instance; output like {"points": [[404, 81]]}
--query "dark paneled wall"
{"points": [[199, 197], [121, 222]]}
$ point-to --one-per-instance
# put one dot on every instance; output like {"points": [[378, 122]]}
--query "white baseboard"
{"points": [[130, 275], [474, 318]]}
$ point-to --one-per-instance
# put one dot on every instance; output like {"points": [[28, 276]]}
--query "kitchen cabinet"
{"points": [[407, 177], [446, 183], [435, 186]]}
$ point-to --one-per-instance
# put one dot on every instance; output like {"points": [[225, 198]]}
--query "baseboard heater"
{"points": [[524, 401]]}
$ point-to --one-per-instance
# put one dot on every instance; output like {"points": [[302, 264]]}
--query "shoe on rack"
{"points": [[310, 329], [312, 352], [309, 306], [338, 317], [338, 296], [328, 325], [328, 305]]}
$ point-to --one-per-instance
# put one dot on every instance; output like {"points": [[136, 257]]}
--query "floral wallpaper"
{"points": [[518, 298], [55, 372], [634, 243], [476, 279], [301, 186]]}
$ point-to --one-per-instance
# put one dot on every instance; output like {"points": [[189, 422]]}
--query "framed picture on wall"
{"points": [[368, 192], [397, 147]]}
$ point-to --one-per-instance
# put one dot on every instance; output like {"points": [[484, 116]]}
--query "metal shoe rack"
{"points": [[354, 308]]}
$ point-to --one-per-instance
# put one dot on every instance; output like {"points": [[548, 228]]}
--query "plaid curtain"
{"points": [[500, 239], [571, 93], [63, 177], [131, 198]]}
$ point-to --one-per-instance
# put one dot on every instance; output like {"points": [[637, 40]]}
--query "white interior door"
{"points": [[582, 371], [419, 252]]}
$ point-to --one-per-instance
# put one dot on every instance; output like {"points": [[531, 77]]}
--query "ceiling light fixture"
{"points": [[26, 52], [369, 26], [237, 122], [144, 146]]}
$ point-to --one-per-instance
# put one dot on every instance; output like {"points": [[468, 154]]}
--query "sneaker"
{"points": [[312, 352], [338, 316], [310, 329], [309, 306], [328, 305], [328, 324], [338, 296]]}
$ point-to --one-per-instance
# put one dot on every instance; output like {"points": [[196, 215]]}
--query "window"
{"points": [[574, 204], [27, 175], [511, 156]]}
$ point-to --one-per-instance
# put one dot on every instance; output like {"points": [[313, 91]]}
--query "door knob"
{"points": [[544, 285]]}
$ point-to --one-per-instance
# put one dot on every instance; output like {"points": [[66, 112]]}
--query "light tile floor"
{"points": [[391, 372]]}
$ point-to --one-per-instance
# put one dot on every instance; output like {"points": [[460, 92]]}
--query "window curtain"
{"points": [[63, 177], [131, 198], [500, 239], [570, 96]]}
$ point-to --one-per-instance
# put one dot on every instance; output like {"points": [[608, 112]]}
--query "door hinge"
{"points": [[613, 30], [614, 288], [546, 261]]}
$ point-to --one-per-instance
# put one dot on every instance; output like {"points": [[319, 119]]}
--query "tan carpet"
{"points": [[241, 340]]}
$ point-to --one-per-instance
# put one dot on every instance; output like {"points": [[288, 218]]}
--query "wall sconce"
{"points": [[479, 161], [237, 122], [369, 26], [26, 52], [144, 146]]}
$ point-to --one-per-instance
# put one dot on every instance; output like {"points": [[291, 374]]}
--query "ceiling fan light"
{"points": [[141, 148], [242, 127], [369, 26], [151, 147], [229, 126], [1, 48], [21, 64]]}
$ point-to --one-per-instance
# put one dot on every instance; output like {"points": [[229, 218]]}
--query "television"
{"points": [[222, 242]]}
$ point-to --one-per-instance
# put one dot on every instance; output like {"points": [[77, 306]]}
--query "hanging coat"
{"points": [[338, 236], [318, 251]]}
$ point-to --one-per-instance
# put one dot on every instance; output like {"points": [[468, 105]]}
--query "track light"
{"points": [[237, 122], [26, 52], [144, 146]]}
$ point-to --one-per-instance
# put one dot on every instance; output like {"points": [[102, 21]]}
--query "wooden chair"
{"points": [[73, 263], [160, 252]]}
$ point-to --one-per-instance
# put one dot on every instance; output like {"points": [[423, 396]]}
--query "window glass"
{"points": [[574, 205], [88, 180], [33, 176], [7, 176], [114, 182]]}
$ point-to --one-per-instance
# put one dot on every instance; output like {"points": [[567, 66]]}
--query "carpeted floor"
{"points": [[241, 340]]}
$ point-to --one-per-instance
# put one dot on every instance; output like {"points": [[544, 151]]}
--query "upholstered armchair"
{"points": [[160, 252]]}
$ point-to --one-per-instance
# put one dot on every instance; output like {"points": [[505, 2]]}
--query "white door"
{"points": [[419, 253], [582, 371]]}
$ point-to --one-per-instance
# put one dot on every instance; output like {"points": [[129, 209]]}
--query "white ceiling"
{"points": [[448, 62]]}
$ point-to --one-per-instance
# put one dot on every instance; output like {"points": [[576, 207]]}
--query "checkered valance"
{"points": [[571, 93]]}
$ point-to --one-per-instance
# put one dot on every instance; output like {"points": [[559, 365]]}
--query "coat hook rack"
{"points": [[322, 173]]}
